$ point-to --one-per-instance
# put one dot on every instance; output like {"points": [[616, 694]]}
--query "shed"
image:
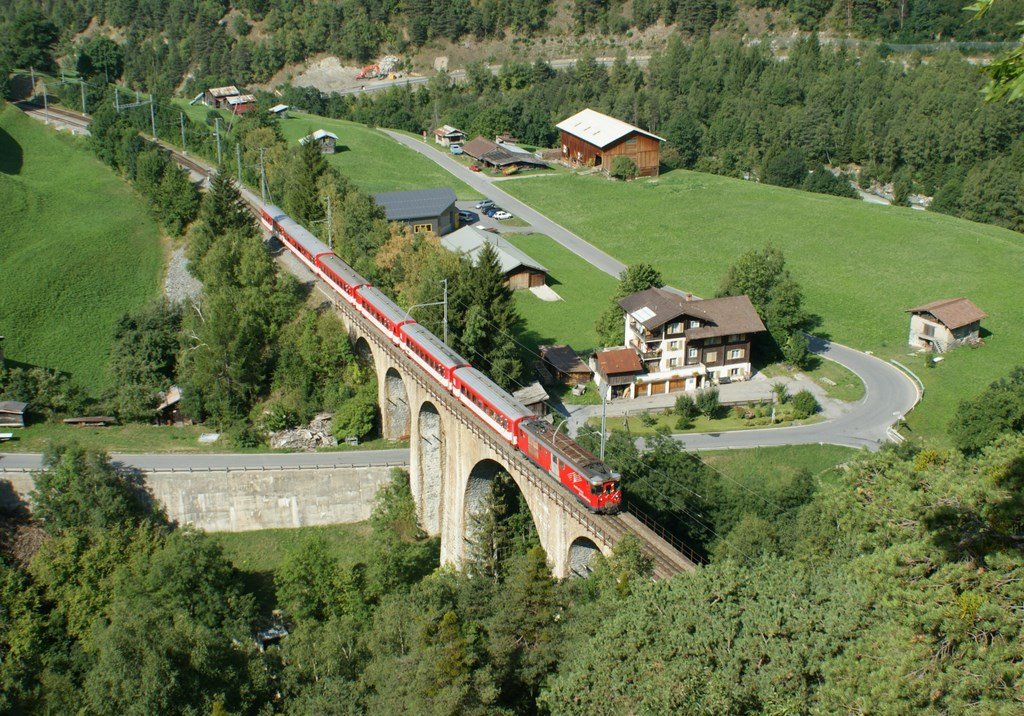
{"points": [[519, 270], [422, 209], [534, 397], [218, 96], [242, 103], [446, 135], [279, 110], [500, 155], [12, 414], [593, 139], [615, 372], [944, 324], [565, 365], [328, 141], [169, 410], [99, 421]]}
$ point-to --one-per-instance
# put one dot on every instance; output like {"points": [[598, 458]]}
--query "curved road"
{"points": [[889, 392]]}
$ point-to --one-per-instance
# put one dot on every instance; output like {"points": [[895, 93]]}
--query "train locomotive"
{"points": [[589, 480]]}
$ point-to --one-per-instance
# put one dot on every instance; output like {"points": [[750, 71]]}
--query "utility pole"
{"points": [[445, 282], [181, 119], [216, 128], [330, 227], [263, 177], [604, 422], [82, 82], [117, 100], [46, 106], [32, 71], [238, 162], [152, 117]]}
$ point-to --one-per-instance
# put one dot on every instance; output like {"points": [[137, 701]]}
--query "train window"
{"points": [[595, 489]]}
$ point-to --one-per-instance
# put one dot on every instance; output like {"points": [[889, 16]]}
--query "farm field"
{"points": [[372, 160], [69, 227], [584, 289], [861, 266]]}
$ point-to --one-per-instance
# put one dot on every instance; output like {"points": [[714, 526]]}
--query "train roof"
{"points": [[274, 211], [489, 391], [583, 460], [438, 348], [302, 236], [345, 272], [384, 304]]}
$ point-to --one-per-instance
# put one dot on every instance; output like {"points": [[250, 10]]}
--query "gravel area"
{"points": [[179, 284]]}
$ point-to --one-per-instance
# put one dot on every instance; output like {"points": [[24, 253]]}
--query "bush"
{"points": [[804, 405], [247, 436], [685, 422], [648, 420], [781, 392], [686, 406], [277, 417], [796, 350], [708, 402], [785, 168], [623, 168]]}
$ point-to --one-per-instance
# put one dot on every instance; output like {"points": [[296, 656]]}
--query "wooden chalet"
{"points": [[592, 139], [944, 324], [12, 414], [519, 270], [327, 141], [218, 96], [565, 365]]}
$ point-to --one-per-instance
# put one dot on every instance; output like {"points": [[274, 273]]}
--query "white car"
{"points": [[502, 215]]}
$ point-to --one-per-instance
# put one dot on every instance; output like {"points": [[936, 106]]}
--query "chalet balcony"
{"points": [[647, 352]]}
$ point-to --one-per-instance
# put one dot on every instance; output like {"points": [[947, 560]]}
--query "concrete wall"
{"points": [[238, 501]]}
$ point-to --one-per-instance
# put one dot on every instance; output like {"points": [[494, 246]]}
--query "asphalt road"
{"points": [[223, 461], [889, 395], [538, 221]]}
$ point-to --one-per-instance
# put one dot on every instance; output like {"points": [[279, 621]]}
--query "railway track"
{"points": [[669, 556]]}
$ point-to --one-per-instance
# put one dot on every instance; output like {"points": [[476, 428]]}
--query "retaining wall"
{"points": [[242, 500]]}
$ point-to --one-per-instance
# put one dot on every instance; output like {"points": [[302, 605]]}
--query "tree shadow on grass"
{"points": [[11, 155]]}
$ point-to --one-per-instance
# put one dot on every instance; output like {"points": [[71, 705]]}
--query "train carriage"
{"points": [[384, 312], [579, 470], [432, 353], [308, 247], [342, 276], [270, 215], [498, 409]]}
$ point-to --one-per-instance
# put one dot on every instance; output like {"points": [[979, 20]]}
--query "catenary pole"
{"points": [[216, 128], [152, 116], [181, 119]]}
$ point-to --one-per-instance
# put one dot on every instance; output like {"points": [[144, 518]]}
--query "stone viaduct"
{"points": [[454, 457]]}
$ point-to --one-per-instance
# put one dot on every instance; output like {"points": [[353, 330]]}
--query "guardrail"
{"points": [[891, 431], [651, 524]]}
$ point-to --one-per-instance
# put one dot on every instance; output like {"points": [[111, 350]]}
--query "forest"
{"points": [[727, 108], [893, 586]]}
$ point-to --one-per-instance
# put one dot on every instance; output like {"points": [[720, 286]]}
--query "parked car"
{"points": [[467, 217], [491, 211], [474, 168], [502, 214], [485, 204], [455, 149]]}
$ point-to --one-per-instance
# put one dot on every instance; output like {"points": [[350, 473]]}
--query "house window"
{"points": [[631, 140], [733, 339], [694, 324], [711, 356], [692, 353], [714, 341], [420, 228], [673, 362], [735, 353], [673, 345], [929, 329], [734, 371]]}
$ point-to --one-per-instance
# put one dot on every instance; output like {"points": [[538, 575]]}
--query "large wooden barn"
{"points": [[593, 139]]}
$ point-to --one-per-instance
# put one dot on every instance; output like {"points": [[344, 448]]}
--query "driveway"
{"points": [[540, 223], [223, 461]]}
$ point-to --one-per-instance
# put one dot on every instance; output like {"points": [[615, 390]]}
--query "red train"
{"points": [[578, 470]]}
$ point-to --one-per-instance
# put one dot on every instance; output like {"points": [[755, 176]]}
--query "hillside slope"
{"points": [[77, 250]]}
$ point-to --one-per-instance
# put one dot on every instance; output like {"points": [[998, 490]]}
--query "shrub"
{"points": [[686, 406], [277, 417], [623, 168], [804, 404], [708, 402], [796, 350], [781, 392], [685, 422], [648, 420]]}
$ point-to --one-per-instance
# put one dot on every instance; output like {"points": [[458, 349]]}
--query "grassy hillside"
{"points": [[860, 265], [77, 250], [372, 160]]}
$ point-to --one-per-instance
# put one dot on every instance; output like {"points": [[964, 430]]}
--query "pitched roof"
{"points": [[655, 307], [478, 146], [446, 129], [241, 99], [470, 240], [564, 359], [277, 108], [228, 91], [416, 204], [618, 360], [952, 312], [318, 135], [531, 394], [600, 129], [12, 406]]}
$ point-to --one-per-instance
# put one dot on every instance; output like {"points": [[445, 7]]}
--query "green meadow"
{"points": [[861, 265], [78, 249]]}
